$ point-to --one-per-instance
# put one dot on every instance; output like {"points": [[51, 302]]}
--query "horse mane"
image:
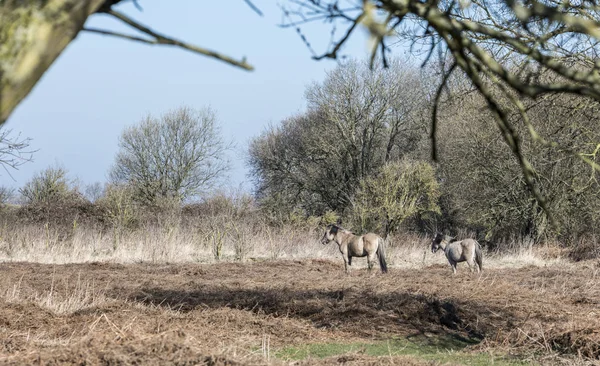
{"points": [[443, 237], [348, 231], [342, 229]]}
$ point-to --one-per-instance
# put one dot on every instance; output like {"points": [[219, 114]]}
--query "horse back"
{"points": [[354, 245], [362, 245], [462, 250], [469, 244], [371, 242]]}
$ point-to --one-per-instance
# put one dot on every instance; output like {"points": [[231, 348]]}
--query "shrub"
{"points": [[6, 194], [50, 186], [401, 190], [119, 209]]}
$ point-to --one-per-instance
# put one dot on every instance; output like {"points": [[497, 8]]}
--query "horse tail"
{"points": [[479, 256], [381, 255]]}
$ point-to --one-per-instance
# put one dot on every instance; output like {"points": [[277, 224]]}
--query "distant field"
{"points": [[296, 311]]}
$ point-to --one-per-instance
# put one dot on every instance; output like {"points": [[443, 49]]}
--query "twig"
{"points": [[253, 7], [438, 94], [164, 40], [336, 48]]}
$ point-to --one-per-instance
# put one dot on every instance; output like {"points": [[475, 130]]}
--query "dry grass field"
{"points": [[298, 309]]}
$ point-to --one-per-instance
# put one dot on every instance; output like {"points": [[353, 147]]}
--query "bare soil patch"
{"points": [[232, 313]]}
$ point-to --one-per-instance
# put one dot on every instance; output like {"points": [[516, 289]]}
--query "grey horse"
{"points": [[467, 250], [369, 245]]}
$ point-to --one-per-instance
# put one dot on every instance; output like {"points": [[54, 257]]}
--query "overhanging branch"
{"points": [[161, 39]]}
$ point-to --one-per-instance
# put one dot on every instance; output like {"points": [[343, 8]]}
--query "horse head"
{"points": [[436, 243], [330, 234]]}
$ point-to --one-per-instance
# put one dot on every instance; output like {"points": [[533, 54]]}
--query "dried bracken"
{"points": [[222, 313]]}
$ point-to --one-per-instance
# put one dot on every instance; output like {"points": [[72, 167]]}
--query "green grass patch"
{"points": [[440, 349]]}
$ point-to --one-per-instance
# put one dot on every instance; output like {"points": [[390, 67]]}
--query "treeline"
{"points": [[362, 151], [163, 171], [360, 154], [58, 214]]}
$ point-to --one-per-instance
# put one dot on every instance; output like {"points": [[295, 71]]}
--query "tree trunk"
{"points": [[33, 33]]}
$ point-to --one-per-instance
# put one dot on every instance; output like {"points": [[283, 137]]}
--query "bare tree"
{"points": [[178, 156], [357, 121], [34, 34], [14, 150], [485, 40]]}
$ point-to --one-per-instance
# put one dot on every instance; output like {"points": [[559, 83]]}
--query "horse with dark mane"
{"points": [[467, 250], [368, 245]]}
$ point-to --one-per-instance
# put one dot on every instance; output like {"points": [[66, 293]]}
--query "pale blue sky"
{"points": [[101, 84]]}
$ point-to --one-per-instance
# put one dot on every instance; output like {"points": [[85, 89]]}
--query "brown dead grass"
{"points": [[221, 314]]}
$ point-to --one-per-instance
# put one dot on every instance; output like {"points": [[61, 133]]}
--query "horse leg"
{"points": [[453, 265], [471, 264], [346, 260], [371, 261], [475, 263], [346, 257]]}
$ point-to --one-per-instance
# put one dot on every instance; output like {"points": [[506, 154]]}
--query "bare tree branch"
{"points": [[119, 35], [165, 40], [253, 7], [14, 151], [338, 45], [436, 102]]}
